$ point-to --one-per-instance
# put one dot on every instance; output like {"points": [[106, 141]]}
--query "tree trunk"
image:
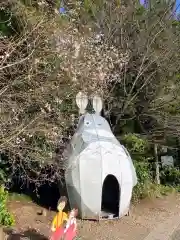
{"points": [[157, 164]]}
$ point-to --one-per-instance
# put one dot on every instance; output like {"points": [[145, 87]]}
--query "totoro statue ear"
{"points": [[97, 104], [82, 102]]}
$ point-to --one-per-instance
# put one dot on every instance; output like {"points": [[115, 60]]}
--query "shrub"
{"points": [[149, 189], [140, 152], [170, 176], [137, 146], [144, 180], [6, 218], [135, 143], [143, 172]]}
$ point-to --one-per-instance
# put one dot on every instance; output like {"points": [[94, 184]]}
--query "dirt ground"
{"points": [[157, 219]]}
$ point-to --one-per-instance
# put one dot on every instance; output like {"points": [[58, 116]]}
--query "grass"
{"points": [[151, 190], [19, 197]]}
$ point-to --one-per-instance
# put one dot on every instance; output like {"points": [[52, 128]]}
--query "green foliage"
{"points": [[140, 10], [146, 187], [5, 22], [165, 189], [143, 172], [137, 146], [4, 169], [135, 143], [170, 176], [151, 190], [140, 151], [144, 180], [40, 77], [19, 197], [6, 218], [9, 24], [2, 176]]}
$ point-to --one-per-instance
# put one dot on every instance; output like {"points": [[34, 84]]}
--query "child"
{"points": [[60, 219], [70, 230]]}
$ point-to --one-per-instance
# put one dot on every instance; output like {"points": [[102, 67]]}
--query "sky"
{"points": [[177, 4]]}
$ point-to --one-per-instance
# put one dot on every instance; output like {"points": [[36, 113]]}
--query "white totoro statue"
{"points": [[99, 171]]}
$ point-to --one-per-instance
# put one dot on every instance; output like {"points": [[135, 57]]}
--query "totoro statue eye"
{"points": [[87, 123]]}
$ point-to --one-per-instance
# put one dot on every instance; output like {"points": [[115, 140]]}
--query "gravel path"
{"points": [[149, 220]]}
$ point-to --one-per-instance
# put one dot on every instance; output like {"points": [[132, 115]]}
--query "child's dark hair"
{"points": [[62, 199]]}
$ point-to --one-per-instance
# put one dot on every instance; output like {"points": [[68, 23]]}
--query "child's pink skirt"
{"points": [[59, 233]]}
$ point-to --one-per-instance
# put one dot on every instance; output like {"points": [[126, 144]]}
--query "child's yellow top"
{"points": [[59, 219]]}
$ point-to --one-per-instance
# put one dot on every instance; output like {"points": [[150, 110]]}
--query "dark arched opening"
{"points": [[110, 197]]}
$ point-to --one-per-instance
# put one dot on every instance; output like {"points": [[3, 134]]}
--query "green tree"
{"points": [[127, 54]]}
